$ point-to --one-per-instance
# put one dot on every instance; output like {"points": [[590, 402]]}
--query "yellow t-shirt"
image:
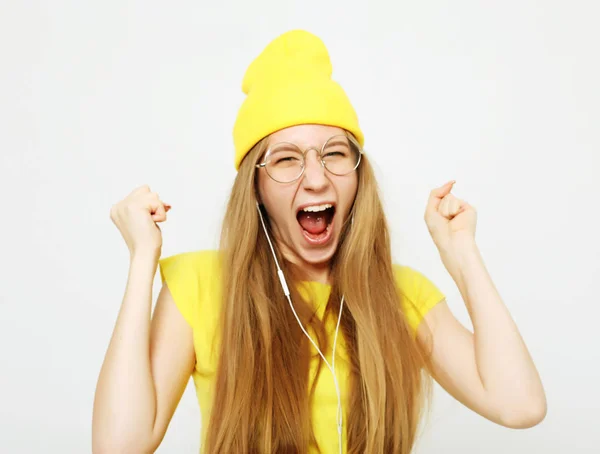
{"points": [[193, 279]]}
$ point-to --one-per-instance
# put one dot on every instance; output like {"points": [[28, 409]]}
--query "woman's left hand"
{"points": [[450, 220]]}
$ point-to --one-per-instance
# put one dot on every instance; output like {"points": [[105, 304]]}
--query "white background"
{"points": [[99, 98]]}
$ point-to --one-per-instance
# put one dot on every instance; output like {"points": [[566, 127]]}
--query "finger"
{"points": [[447, 206], [443, 207], [451, 204], [456, 206], [152, 203], [436, 196], [159, 214], [441, 191]]}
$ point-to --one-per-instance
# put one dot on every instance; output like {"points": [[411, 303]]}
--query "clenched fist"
{"points": [[136, 217]]}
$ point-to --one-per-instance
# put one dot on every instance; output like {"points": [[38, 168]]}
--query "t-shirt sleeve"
{"points": [[419, 294], [180, 273]]}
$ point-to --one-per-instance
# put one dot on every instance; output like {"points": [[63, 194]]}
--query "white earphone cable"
{"points": [[331, 366]]}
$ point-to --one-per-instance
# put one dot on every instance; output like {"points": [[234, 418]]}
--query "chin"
{"points": [[317, 256]]}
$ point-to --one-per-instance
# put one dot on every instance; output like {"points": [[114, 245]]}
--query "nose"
{"points": [[314, 177]]}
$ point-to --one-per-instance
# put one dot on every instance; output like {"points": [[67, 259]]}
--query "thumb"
{"points": [[442, 191], [159, 213], [437, 194]]}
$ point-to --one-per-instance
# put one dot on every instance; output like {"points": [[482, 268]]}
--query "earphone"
{"points": [[331, 366]]}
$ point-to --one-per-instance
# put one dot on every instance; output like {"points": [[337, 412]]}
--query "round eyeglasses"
{"points": [[285, 162]]}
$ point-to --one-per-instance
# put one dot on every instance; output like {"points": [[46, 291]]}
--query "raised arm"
{"points": [[490, 370], [149, 359]]}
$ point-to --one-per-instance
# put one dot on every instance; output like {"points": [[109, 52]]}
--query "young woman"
{"points": [[300, 333]]}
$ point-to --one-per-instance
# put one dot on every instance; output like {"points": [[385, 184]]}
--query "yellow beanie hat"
{"points": [[290, 84]]}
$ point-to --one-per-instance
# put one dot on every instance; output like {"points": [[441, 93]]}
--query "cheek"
{"points": [[260, 184], [276, 198], [347, 192], [267, 192]]}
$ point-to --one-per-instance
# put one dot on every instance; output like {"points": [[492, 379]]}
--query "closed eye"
{"points": [[287, 159], [334, 153]]}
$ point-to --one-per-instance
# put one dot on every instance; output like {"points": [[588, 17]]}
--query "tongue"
{"points": [[314, 223]]}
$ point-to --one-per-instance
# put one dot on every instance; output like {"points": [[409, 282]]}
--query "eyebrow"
{"points": [[285, 146], [340, 141], [289, 145]]}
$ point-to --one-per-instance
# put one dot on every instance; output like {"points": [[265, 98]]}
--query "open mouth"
{"points": [[316, 221]]}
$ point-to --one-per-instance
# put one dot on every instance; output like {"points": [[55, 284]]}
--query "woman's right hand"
{"points": [[136, 217]]}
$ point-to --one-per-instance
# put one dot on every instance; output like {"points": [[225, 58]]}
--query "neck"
{"points": [[317, 272]]}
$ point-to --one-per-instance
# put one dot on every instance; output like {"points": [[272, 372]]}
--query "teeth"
{"points": [[315, 208]]}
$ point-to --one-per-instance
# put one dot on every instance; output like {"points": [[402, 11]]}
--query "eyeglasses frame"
{"points": [[320, 153]]}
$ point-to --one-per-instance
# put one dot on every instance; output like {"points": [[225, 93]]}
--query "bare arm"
{"points": [[490, 371], [146, 368]]}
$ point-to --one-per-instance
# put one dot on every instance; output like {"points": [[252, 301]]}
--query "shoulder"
{"points": [[197, 260], [193, 278], [203, 263], [410, 281], [418, 293]]}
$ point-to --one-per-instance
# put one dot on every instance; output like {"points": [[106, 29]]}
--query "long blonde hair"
{"points": [[259, 409]]}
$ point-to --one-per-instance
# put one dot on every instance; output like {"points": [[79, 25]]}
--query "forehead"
{"points": [[305, 135]]}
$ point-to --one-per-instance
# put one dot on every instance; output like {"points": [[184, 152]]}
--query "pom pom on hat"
{"points": [[289, 84]]}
